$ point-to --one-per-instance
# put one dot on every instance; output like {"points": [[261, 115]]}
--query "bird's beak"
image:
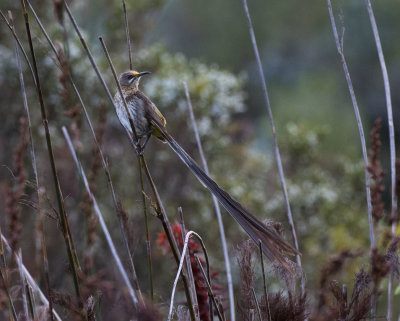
{"points": [[144, 73]]}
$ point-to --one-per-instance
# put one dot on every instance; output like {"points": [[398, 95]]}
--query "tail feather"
{"points": [[273, 245]]}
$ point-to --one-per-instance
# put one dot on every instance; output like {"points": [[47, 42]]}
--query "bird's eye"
{"points": [[130, 76]]}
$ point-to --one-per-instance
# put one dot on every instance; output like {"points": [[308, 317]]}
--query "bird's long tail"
{"points": [[273, 245]]}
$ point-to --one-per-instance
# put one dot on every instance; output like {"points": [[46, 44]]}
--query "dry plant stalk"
{"points": [[392, 145], [14, 193], [72, 257], [247, 277], [376, 171], [340, 50]]}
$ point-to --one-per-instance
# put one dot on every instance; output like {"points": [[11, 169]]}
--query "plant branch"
{"points": [[128, 38], [386, 83], [339, 47]]}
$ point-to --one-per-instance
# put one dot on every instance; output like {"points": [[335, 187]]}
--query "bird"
{"points": [[148, 121]]}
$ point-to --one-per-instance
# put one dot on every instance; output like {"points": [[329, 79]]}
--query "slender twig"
{"points": [[389, 112], [24, 98], [101, 219], [189, 270], [251, 314], [103, 161], [46, 276], [128, 38], [73, 259], [4, 278], [394, 214], [31, 299], [29, 278], [275, 142], [178, 273], [340, 49], [26, 107], [264, 281], [34, 166], [182, 260], [23, 289], [7, 290], [256, 303], [343, 303], [148, 243], [216, 206], [34, 163], [209, 289], [19, 44], [203, 247]]}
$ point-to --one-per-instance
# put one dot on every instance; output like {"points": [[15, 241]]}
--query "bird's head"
{"points": [[130, 79]]}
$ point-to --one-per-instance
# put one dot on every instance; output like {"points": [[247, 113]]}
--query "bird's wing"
{"points": [[152, 113]]}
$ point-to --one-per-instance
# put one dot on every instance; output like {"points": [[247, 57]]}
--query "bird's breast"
{"points": [[137, 113]]}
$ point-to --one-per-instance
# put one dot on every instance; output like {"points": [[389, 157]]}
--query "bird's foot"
{"points": [[138, 148], [146, 138]]}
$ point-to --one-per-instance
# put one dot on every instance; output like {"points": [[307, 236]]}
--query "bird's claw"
{"points": [[138, 148]]}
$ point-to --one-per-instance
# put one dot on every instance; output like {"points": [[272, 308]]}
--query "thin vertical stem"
{"points": [[4, 278], [343, 304], [46, 276], [11, 306], [209, 288], [386, 83], [339, 47], [206, 277], [275, 142], [264, 281], [23, 289], [34, 166], [256, 304], [30, 296], [189, 269], [148, 243], [359, 122], [26, 107], [73, 259], [128, 38], [101, 220], [9, 25], [216, 206]]}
